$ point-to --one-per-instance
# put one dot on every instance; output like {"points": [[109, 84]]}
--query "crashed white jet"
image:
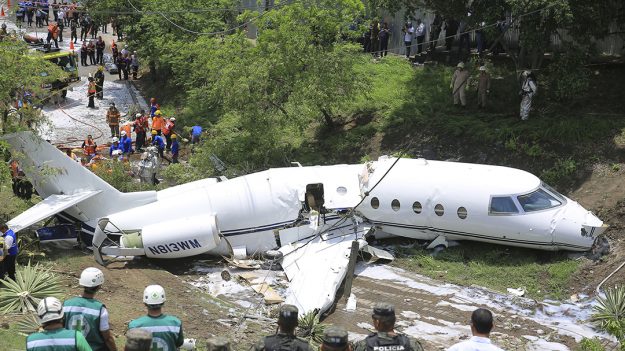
{"points": [[311, 213]]}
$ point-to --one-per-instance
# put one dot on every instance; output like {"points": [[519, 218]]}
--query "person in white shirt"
{"points": [[420, 34], [408, 33], [481, 325]]}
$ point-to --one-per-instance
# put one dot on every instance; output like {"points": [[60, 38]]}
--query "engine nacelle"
{"points": [[180, 237]]}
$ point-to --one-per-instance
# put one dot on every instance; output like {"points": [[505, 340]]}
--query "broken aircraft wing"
{"points": [[50, 206]]}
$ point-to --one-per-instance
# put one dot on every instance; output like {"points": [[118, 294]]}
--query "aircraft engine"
{"points": [[176, 238]]}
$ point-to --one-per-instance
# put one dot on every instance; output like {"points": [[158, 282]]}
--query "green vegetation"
{"points": [[311, 329], [541, 274], [590, 345], [12, 339], [609, 313], [32, 283]]}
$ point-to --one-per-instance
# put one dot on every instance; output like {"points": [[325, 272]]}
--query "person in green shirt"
{"points": [[89, 316], [54, 337], [166, 330]]}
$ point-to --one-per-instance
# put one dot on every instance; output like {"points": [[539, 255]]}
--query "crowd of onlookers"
{"points": [[83, 323]]}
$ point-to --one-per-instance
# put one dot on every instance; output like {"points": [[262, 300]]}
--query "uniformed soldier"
{"points": [[335, 339], [54, 337], [285, 339], [166, 330], [89, 316], [386, 337]]}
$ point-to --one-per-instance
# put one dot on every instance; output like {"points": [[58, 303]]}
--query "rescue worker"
{"points": [[126, 127], [99, 82], [168, 130], [153, 106], [53, 34], [114, 146], [335, 339], [9, 254], [196, 133], [481, 325], [157, 122], [285, 339], [91, 52], [99, 49], [140, 126], [54, 337], [166, 330], [483, 87], [89, 148], [89, 316], [157, 141], [91, 91], [112, 119], [175, 148], [83, 55], [528, 89], [126, 144], [459, 84], [386, 338]]}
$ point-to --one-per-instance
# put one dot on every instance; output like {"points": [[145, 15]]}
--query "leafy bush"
{"points": [[609, 313], [567, 76], [32, 283], [311, 329], [563, 169]]}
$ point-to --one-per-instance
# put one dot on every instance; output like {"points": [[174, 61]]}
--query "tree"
{"points": [[23, 70]]}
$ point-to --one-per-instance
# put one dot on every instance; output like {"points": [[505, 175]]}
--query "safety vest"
{"points": [[112, 117], [126, 128], [399, 342], [169, 126], [166, 331], [285, 342], [91, 88], [55, 340], [12, 251], [83, 315], [89, 147], [157, 122]]}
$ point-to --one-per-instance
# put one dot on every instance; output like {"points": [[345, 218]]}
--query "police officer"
{"points": [[54, 337], [166, 330], [285, 339], [9, 254], [335, 339], [386, 338], [89, 316]]}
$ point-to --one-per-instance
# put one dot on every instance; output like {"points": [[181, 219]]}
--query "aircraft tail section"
{"points": [[69, 187], [51, 171]]}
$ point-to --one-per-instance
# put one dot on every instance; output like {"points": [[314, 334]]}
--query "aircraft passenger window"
{"points": [[395, 205], [375, 203], [538, 200], [439, 210], [502, 205], [462, 212], [416, 207]]}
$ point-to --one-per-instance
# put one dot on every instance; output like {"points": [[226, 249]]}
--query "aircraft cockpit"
{"points": [[543, 198]]}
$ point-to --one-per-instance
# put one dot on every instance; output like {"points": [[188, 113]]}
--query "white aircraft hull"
{"points": [[414, 198]]}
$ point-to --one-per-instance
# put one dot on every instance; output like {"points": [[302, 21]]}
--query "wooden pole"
{"points": [[138, 340], [351, 266]]}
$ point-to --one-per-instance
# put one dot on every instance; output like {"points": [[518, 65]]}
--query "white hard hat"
{"points": [[172, 119], [115, 140], [91, 277], [123, 132], [138, 115], [49, 309], [460, 65], [154, 295], [482, 68]]}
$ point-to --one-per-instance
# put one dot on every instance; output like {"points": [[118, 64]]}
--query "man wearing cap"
{"points": [[386, 338], [89, 316], [285, 339], [126, 144], [112, 119], [459, 84], [481, 325], [483, 87], [335, 339], [54, 336], [114, 147]]}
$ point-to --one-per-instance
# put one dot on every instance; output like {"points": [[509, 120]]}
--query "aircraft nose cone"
{"points": [[577, 228]]}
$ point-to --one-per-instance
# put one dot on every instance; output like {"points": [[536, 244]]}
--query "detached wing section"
{"points": [[52, 205]]}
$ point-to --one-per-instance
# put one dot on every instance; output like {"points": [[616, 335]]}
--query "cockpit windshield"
{"points": [[539, 199]]}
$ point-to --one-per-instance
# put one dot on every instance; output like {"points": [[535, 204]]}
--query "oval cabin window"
{"points": [[462, 212], [439, 210], [375, 203], [395, 205], [416, 207]]}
